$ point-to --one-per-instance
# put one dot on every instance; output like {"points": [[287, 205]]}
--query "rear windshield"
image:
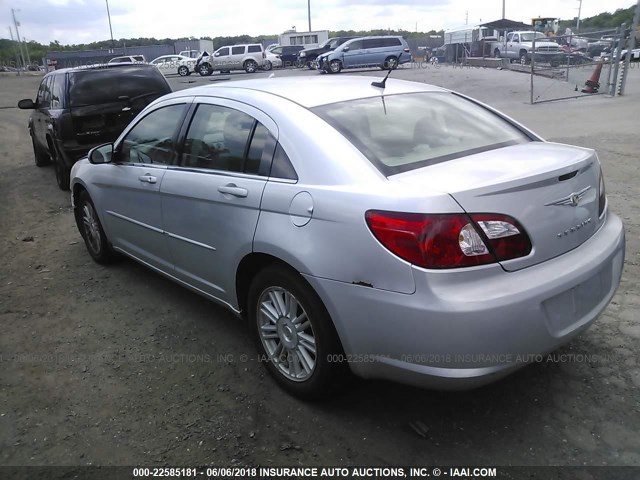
{"points": [[403, 132], [108, 85]]}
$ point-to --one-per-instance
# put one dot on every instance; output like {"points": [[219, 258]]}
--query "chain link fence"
{"points": [[581, 65]]}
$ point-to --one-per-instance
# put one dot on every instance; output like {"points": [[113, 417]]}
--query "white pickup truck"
{"points": [[519, 46]]}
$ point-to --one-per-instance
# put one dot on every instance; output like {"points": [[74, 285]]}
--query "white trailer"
{"points": [[306, 39], [468, 34]]}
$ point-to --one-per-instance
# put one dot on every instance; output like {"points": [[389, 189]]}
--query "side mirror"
{"points": [[345, 49], [101, 154], [26, 104], [216, 54]]}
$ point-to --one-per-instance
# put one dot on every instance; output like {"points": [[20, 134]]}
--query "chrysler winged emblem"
{"points": [[571, 200]]}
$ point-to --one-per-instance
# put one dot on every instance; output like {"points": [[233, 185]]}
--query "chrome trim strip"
{"points": [[162, 232], [188, 240], [140, 224]]}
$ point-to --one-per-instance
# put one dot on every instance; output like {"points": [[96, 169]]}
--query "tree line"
{"points": [[36, 51]]}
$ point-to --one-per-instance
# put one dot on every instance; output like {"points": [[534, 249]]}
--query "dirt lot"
{"points": [[118, 366]]}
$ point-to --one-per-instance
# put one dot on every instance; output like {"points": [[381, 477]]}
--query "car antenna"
{"points": [[383, 83]]}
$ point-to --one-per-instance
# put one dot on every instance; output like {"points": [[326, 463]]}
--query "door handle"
{"points": [[147, 178], [233, 189]]}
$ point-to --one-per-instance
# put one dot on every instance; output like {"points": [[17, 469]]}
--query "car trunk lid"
{"points": [[551, 189]]}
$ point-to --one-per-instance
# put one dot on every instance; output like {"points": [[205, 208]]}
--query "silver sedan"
{"points": [[393, 230]]}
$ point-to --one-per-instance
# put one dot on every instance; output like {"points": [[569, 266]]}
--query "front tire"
{"points": [[91, 230], [496, 53], [205, 70], [183, 71], [294, 334], [335, 66], [267, 65], [524, 58]]}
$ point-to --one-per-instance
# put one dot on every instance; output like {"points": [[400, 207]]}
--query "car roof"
{"points": [[102, 66], [310, 92]]}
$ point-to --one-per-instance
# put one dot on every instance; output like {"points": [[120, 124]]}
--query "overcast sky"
{"points": [[83, 21]]}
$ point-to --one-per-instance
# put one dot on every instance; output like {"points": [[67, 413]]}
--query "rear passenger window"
{"points": [[217, 139], [258, 142], [254, 48], [281, 166], [373, 43], [57, 91], [237, 50]]}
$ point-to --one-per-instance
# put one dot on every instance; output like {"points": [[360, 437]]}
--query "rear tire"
{"points": [[250, 66], [390, 63], [42, 159], [524, 58], [61, 170], [496, 53], [294, 334], [183, 71], [91, 230]]}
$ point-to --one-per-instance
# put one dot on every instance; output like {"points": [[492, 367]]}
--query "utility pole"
{"points": [[466, 18], [26, 49], [110, 29], [15, 50], [503, 9], [309, 12], [16, 24], [579, 11]]}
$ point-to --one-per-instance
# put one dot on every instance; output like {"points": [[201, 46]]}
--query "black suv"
{"points": [[308, 55], [79, 108]]}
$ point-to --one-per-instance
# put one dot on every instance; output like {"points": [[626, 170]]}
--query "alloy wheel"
{"points": [[91, 227], [286, 334]]}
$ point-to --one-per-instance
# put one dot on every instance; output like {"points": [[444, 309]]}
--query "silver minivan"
{"points": [[248, 57], [383, 51]]}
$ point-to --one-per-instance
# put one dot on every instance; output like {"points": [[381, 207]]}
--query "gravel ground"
{"points": [[118, 366]]}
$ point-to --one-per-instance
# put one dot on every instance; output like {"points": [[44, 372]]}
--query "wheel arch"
{"points": [[247, 269]]}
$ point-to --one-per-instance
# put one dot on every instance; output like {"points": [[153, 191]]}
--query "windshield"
{"points": [[398, 133], [106, 85], [528, 37]]}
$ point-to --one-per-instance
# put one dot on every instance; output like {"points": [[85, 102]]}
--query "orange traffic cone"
{"points": [[592, 85]]}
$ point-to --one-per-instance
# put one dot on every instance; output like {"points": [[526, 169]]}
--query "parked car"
{"points": [[179, 64], [189, 53], [271, 61], [395, 229], [308, 56], [288, 54], [129, 59], [249, 57], [78, 108], [384, 52]]}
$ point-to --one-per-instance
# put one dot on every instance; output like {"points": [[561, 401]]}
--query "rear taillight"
{"points": [[602, 197], [406, 50], [449, 240]]}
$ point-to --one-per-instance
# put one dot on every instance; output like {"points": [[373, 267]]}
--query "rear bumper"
{"points": [[466, 328]]}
